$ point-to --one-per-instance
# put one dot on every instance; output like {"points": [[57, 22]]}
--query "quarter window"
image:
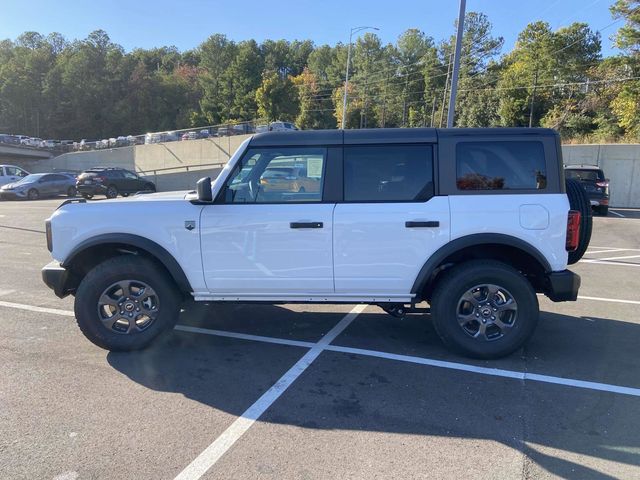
{"points": [[277, 175], [500, 166], [390, 173]]}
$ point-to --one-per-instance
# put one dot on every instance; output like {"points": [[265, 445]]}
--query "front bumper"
{"points": [[12, 194], [58, 279], [562, 286]]}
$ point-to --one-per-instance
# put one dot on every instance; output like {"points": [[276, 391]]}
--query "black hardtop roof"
{"points": [[383, 135]]}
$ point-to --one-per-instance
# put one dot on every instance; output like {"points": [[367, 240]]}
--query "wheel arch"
{"points": [[90, 252], [514, 251]]}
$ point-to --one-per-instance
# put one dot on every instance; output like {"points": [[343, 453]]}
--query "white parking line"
{"points": [[610, 258], [614, 300], [32, 308], [608, 262], [213, 452], [617, 248], [594, 252], [618, 214]]}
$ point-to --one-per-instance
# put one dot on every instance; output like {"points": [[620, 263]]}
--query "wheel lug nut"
{"points": [[131, 314], [493, 318]]}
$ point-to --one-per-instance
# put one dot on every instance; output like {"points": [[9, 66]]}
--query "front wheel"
{"points": [[112, 192], [71, 192], [87, 196], [125, 302], [484, 309]]}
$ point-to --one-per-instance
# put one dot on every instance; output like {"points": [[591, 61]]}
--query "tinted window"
{"points": [[277, 175], [114, 174], [588, 175], [500, 166], [399, 173], [130, 176]]}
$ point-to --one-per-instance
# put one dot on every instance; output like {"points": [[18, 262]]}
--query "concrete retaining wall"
{"points": [[621, 165], [171, 166]]}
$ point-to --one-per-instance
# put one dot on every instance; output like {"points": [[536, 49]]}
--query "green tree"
{"points": [[277, 98]]}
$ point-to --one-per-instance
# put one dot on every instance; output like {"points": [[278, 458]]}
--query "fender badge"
{"points": [[189, 224]]}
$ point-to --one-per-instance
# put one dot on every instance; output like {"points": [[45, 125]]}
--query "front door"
{"points": [[266, 235]]}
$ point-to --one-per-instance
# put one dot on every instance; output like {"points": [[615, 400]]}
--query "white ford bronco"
{"points": [[474, 222]]}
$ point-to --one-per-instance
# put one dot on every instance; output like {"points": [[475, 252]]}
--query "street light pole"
{"points": [[456, 65], [346, 77]]}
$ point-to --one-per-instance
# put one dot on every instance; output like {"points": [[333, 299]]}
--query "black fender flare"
{"points": [[469, 241], [128, 239]]}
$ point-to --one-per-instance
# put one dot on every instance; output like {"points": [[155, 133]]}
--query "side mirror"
{"points": [[203, 188]]}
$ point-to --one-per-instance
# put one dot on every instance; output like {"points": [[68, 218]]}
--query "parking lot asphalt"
{"points": [[258, 391]]}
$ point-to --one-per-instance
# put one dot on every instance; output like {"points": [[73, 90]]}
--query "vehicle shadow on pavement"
{"points": [[567, 431]]}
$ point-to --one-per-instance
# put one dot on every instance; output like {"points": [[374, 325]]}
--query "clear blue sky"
{"points": [[186, 23]]}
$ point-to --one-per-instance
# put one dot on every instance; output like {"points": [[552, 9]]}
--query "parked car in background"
{"points": [[189, 136], [111, 182], [11, 174], [593, 180], [49, 143], [10, 139], [31, 142], [282, 127], [289, 179], [39, 185], [204, 133]]}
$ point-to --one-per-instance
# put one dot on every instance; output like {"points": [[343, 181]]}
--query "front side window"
{"points": [[500, 166], [130, 176], [391, 173], [15, 172], [277, 175]]}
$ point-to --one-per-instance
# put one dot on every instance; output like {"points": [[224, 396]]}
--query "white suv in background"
{"points": [[11, 173], [473, 222]]}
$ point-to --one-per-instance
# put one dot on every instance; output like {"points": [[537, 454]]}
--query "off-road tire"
{"points": [[115, 269], [457, 281]]}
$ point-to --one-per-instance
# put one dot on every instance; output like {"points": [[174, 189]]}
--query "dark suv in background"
{"points": [[592, 179], [111, 181]]}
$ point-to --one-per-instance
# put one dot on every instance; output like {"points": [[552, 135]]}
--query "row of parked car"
{"points": [[149, 138], [18, 184]]}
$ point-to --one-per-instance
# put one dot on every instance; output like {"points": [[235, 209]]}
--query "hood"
{"points": [[150, 197], [14, 185]]}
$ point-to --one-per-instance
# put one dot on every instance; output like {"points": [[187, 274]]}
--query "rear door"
{"points": [[390, 221]]}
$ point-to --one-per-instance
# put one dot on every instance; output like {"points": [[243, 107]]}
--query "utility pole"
{"points": [[444, 93], [533, 96], [456, 65], [346, 77]]}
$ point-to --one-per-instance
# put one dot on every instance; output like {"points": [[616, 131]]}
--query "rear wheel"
{"points": [[125, 302], [33, 194], [112, 191], [579, 200], [150, 186], [484, 309]]}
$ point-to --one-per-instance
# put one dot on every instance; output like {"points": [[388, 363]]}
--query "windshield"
{"points": [[34, 177]]}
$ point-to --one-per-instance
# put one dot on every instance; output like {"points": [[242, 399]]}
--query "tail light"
{"points": [[573, 230], [49, 234]]}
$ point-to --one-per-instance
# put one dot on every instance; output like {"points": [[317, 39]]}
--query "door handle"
{"points": [[305, 225], [419, 224]]}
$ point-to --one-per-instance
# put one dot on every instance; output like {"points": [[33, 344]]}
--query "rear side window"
{"points": [[500, 166], [389, 173], [587, 175]]}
